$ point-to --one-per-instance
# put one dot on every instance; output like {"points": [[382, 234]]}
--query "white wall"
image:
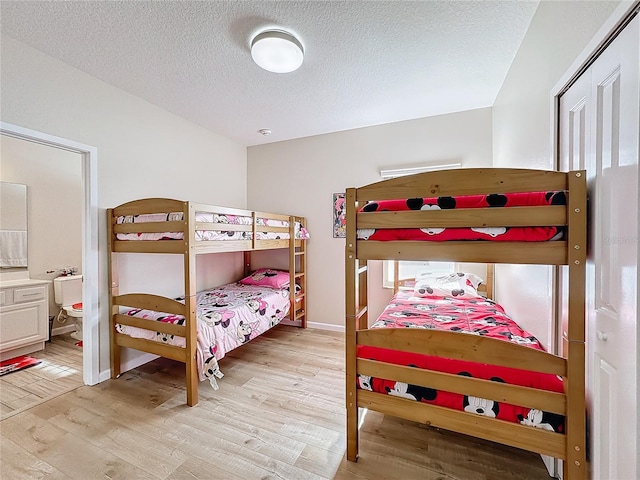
{"points": [[54, 205], [300, 176], [522, 133], [143, 151]]}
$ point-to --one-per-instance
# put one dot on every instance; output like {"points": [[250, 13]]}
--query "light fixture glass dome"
{"points": [[277, 51]]}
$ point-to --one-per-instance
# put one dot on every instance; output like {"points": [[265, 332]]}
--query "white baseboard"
{"points": [[326, 326], [316, 325], [292, 323], [128, 365], [62, 330]]}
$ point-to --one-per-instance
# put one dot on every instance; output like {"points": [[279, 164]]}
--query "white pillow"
{"points": [[458, 285]]}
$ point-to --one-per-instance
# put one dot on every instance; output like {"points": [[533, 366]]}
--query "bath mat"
{"points": [[18, 363]]}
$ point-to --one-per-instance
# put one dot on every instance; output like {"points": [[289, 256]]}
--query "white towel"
{"points": [[13, 248]]}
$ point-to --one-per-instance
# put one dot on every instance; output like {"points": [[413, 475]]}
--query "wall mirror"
{"points": [[13, 225]]}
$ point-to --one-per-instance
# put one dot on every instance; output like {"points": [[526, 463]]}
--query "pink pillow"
{"points": [[267, 277]]}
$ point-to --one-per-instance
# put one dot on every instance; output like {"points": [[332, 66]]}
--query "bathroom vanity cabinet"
{"points": [[24, 317]]}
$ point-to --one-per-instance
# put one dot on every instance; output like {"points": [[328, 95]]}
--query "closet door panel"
{"points": [[613, 317], [599, 131]]}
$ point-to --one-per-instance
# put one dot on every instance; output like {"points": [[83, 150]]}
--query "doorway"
{"points": [[91, 319]]}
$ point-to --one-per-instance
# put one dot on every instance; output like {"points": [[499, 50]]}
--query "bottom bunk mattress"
{"points": [[471, 316], [227, 317]]}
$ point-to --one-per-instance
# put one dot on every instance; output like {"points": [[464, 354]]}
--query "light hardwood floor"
{"points": [[279, 414], [60, 371]]}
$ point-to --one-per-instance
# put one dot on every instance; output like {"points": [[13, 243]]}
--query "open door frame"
{"points": [[91, 317]]}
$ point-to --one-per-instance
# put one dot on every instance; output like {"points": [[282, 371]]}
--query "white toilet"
{"points": [[68, 295]]}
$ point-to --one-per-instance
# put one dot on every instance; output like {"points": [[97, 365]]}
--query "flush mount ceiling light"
{"points": [[277, 51]]}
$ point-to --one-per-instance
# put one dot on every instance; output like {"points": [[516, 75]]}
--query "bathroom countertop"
{"points": [[24, 282]]}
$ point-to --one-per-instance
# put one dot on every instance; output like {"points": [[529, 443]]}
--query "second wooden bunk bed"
{"points": [[183, 223], [571, 250]]}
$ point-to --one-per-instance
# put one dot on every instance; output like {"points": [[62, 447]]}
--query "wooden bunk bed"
{"points": [[569, 445], [190, 229]]}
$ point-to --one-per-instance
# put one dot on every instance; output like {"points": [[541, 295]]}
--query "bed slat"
{"points": [[534, 253], [215, 209], [162, 349], [150, 302], [462, 346], [270, 244], [468, 181], [152, 325], [149, 205], [220, 246], [149, 246], [520, 436], [499, 392]]}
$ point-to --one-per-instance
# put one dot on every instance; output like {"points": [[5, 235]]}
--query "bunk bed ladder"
{"points": [[297, 273]]}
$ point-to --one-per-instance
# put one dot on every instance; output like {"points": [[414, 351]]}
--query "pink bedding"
{"points": [[209, 235], [468, 316], [228, 316]]}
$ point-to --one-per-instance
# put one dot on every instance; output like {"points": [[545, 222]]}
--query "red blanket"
{"points": [[504, 234], [476, 316]]}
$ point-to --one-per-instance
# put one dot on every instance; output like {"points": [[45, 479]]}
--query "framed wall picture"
{"points": [[339, 216]]}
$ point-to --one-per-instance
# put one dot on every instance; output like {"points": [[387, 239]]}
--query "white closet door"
{"points": [[599, 131]]}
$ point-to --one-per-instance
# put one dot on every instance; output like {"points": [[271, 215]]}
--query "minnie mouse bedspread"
{"points": [[209, 235], [477, 316], [504, 234], [228, 316]]}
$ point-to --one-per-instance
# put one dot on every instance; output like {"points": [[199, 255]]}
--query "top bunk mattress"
{"points": [[210, 235], [505, 234]]}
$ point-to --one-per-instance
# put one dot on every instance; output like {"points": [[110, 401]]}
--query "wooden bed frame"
{"points": [[189, 247], [570, 251]]}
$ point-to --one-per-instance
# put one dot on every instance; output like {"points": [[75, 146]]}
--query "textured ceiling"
{"points": [[366, 62]]}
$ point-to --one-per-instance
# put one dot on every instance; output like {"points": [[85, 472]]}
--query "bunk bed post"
{"points": [[191, 361], [113, 291], [575, 464], [489, 281], [254, 230], [396, 276], [351, 267], [247, 263], [362, 281]]}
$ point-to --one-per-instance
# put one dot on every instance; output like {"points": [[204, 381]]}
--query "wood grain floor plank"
{"points": [[79, 459], [278, 414], [194, 468], [19, 464], [60, 371], [31, 432]]}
